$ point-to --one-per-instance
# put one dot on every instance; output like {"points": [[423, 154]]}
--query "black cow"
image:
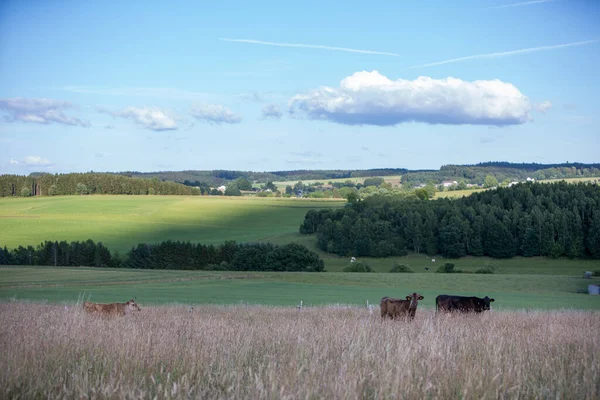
{"points": [[451, 303]]}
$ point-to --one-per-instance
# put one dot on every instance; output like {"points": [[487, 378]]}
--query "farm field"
{"points": [[393, 179], [275, 352], [68, 285], [120, 222]]}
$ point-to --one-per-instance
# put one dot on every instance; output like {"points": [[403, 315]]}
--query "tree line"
{"points": [[529, 219], [87, 183], [229, 256], [501, 172]]}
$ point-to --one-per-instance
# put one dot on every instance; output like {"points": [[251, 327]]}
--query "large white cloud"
{"points": [[151, 118], [370, 98], [39, 111], [215, 114]]}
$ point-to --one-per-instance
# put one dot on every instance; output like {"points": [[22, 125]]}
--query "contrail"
{"points": [[310, 46], [526, 3], [506, 53]]}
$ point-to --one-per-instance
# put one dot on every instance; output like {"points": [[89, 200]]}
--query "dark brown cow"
{"points": [[396, 308], [450, 303], [112, 309]]}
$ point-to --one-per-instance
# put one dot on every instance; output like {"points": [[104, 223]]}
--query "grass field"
{"points": [[243, 352], [121, 222], [67, 285]]}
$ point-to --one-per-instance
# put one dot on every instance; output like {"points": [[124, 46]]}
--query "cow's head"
{"points": [[414, 299], [486, 302], [132, 305]]}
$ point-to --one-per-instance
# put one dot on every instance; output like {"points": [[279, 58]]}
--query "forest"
{"points": [[528, 219], [42, 184], [175, 255]]}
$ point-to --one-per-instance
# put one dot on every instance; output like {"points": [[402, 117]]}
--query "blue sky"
{"points": [[272, 85]]}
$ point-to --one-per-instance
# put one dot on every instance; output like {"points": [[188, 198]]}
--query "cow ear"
{"points": [[492, 300], [421, 297], [408, 297]]}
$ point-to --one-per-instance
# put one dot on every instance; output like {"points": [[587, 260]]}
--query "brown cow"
{"points": [[451, 303], [112, 309], [396, 308]]}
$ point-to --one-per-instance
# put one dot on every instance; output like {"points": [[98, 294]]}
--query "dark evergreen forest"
{"points": [[87, 183], [229, 256], [528, 219]]}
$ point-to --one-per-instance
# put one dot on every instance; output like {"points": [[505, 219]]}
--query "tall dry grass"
{"points": [[279, 353]]}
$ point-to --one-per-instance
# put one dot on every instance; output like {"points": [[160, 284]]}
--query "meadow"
{"points": [[68, 285], [120, 222], [282, 353], [123, 221]]}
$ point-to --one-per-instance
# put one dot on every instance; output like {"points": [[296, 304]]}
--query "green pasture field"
{"points": [[418, 262], [70, 285], [120, 222]]}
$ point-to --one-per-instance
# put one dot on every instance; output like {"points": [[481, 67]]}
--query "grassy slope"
{"points": [[123, 221]]}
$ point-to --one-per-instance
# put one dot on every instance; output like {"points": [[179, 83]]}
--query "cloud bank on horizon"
{"points": [[369, 98]]}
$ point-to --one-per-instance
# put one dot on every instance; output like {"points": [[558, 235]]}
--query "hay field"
{"points": [[282, 353]]}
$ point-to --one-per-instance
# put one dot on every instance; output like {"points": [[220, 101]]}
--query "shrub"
{"points": [[81, 188], [358, 267], [294, 257], [485, 270], [447, 268], [218, 267], [401, 268]]}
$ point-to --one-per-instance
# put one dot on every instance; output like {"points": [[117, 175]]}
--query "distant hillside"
{"points": [[218, 177], [469, 174], [500, 171]]}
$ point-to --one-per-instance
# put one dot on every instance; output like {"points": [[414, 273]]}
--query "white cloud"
{"points": [[310, 46], [525, 3], [13, 162], [36, 161], [506, 53], [39, 111], [370, 98], [215, 114], [271, 111], [151, 118], [544, 106]]}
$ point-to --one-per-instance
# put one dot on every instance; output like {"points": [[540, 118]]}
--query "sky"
{"points": [[287, 85]]}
